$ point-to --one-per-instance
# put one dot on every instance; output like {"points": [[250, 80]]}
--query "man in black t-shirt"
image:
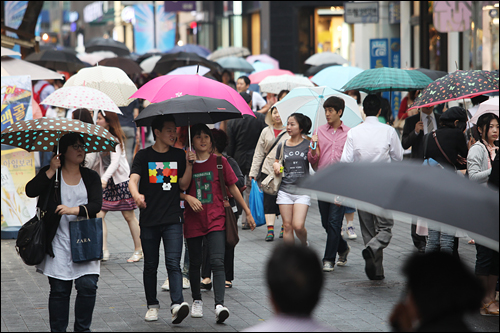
{"points": [[159, 173]]}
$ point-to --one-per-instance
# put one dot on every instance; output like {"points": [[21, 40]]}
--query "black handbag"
{"points": [[86, 239], [30, 243]]}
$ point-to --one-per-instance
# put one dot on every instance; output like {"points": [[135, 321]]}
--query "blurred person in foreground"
{"points": [[295, 279], [440, 291]]}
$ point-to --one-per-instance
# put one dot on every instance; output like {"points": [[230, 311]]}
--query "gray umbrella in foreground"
{"points": [[443, 199]]}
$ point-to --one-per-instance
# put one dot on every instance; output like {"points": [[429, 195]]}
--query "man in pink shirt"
{"points": [[327, 146]]}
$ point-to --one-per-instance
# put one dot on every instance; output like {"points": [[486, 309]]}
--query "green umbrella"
{"points": [[381, 79]]}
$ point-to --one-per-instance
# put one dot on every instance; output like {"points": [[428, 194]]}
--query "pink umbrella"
{"points": [[259, 76], [265, 59], [171, 86]]}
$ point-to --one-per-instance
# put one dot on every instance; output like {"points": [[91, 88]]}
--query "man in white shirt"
{"points": [[258, 102], [373, 141]]}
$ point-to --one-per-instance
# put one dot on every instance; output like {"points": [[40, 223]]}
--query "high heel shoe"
{"points": [[135, 257], [105, 255]]}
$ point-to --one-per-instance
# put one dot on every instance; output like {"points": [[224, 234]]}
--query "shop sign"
{"points": [[395, 63], [394, 12], [179, 6], [452, 16], [93, 11], [361, 12]]}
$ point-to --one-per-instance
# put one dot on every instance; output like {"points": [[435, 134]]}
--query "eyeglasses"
{"points": [[77, 146]]}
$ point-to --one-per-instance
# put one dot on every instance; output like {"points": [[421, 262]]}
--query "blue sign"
{"points": [[165, 29], [14, 13], [143, 28], [395, 63], [379, 56]]}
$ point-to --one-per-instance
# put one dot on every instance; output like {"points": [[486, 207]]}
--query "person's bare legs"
{"points": [[489, 283], [133, 225], [270, 218], [287, 215], [349, 218], [298, 222]]}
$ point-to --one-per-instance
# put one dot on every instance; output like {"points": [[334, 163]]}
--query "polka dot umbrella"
{"points": [[74, 97]]}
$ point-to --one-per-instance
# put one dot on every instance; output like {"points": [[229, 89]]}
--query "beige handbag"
{"points": [[271, 184]]}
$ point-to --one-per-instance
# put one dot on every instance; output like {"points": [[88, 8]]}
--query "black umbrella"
{"points": [[171, 61], [402, 190], [313, 70], [433, 74], [106, 44], [57, 60], [127, 65], [146, 55]]}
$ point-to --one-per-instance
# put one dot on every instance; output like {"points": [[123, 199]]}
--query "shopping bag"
{"points": [[86, 239], [256, 201]]}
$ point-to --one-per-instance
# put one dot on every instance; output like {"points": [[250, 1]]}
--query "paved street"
{"points": [[350, 302]]}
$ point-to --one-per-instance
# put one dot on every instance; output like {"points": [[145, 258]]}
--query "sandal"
{"points": [[229, 284], [206, 286], [487, 312], [135, 257], [269, 237]]}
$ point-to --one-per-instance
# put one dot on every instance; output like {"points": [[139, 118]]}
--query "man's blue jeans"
{"points": [[60, 291], [439, 241], [331, 219], [172, 244]]}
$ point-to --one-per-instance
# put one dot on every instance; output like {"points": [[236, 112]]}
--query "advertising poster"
{"points": [[379, 56], [395, 63], [18, 168], [143, 28], [14, 13], [165, 29], [16, 99]]}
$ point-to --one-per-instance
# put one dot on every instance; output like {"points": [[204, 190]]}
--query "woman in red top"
{"points": [[205, 216], [406, 103]]}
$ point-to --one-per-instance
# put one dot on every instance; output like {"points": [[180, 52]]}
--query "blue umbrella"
{"points": [[335, 77], [199, 50], [236, 64], [261, 66]]}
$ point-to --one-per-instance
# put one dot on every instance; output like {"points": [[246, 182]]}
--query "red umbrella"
{"points": [[259, 76]]}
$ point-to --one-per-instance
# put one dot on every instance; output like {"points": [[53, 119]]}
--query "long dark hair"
{"points": [[114, 127], [483, 123]]}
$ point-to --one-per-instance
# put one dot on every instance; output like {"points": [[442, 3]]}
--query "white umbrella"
{"points": [[94, 57], [232, 51], [325, 58], [81, 97], [489, 106], [190, 70], [9, 52], [16, 67], [275, 84], [110, 80], [148, 64]]}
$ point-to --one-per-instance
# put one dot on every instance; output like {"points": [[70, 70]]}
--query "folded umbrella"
{"points": [[236, 64]]}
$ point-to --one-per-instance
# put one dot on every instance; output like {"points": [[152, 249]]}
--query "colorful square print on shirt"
{"points": [[163, 173]]}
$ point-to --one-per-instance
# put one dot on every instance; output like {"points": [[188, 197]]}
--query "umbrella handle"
{"points": [[313, 145], [56, 182], [189, 137]]}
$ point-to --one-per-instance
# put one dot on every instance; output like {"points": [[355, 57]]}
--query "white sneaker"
{"points": [[166, 285], [151, 315], [179, 312], [197, 309], [342, 232], [350, 233], [221, 313], [185, 283]]}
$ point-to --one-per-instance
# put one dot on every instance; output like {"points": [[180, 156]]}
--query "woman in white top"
{"points": [[115, 175]]}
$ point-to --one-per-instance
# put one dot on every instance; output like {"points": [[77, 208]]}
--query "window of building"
{"points": [[332, 34]]}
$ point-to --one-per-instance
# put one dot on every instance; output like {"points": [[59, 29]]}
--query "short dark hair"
{"points": [[159, 122], [246, 97], [66, 141], [304, 122], [245, 78], [283, 92], [356, 93], [220, 139], [295, 278], [83, 115], [439, 273], [335, 102], [479, 99], [372, 105], [202, 128]]}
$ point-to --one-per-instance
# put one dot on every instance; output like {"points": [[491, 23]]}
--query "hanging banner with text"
{"points": [[379, 56], [16, 99], [165, 28], [143, 28], [395, 63]]}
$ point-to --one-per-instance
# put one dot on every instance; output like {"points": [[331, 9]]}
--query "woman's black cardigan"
{"points": [[41, 186]]}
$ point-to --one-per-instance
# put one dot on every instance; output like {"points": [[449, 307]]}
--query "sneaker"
{"points": [[350, 233], [343, 257], [342, 232], [197, 309], [185, 283], [269, 237], [152, 314], [281, 232], [221, 313], [166, 285], [179, 312], [328, 266]]}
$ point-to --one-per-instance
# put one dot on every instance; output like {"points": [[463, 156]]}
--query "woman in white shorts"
{"points": [[293, 208]]}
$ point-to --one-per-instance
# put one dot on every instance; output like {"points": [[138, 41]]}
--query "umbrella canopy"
{"points": [[232, 51], [335, 76], [171, 61], [275, 84], [259, 76], [43, 134], [127, 65], [236, 64], [58, 60], [433, 74], [265, 59], [313, 70], [457, 85], [190, 70], [94, 57], [81, 97], [9, 52], [447, 201], [260, 66], [325, 58], [149, 54], [387, 79], [489, 106], [106, 44], [110, 80], [15, 67], [148, 64], [198, 49], [189, 110], [309, 101], [58, 48], [170, 86]]}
